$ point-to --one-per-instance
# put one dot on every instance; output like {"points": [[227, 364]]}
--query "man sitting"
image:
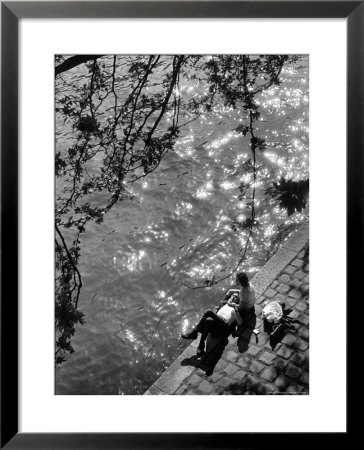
{"points": [[237, 303]]}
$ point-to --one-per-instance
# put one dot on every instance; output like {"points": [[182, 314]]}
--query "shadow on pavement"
{"points": [[245, 330], [215, 346], [249, 385]]}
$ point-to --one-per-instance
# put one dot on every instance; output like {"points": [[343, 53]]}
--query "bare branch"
{"points": [[74, 61]]}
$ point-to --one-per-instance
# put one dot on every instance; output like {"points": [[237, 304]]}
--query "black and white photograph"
{"points": [[181, 224]]}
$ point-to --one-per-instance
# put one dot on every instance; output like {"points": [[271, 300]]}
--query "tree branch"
{"points": [[74, 61]]}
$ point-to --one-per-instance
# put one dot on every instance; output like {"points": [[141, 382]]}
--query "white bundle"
{"points": [[272, 312]]}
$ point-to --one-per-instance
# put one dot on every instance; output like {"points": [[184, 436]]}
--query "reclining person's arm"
{"points": [[237, 313], [238, 317], [230, 292], [227, 298]]}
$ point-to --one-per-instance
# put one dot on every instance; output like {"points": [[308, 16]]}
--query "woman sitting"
{"points": [[237, 303]]}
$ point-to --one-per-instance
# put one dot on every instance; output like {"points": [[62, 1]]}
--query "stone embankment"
{"points": [[248, 363]]}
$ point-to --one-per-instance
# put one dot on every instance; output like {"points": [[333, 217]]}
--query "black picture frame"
{"points": [[11, 12]]}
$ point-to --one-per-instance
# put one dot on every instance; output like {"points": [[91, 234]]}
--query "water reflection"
{"points": [[178, 228]]}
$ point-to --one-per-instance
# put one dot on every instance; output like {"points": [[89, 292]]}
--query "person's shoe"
{"points": [[191, 335], [200, 350], [235, 332]]}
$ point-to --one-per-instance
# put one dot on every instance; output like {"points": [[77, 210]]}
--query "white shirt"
{"points": [[227, 313]]}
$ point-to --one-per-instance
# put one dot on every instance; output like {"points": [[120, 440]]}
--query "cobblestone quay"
{"points": [[252, 364]]}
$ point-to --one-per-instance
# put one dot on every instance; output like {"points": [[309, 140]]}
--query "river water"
{"points": [[176, 232]]}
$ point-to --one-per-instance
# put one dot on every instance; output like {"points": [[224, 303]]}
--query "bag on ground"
{"points": [[272, 312]]}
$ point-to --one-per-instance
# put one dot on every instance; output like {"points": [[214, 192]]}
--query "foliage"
{"points": [[292, 195]]}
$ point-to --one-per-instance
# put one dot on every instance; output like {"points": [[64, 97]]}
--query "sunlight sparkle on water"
{"points": [[182, 208], [222, 141], [205, 190], [201, 271], [269, 231], [171, 301], [297, 144], [226, 185], [130, 336], [186, 139], [215, 170], [131, 261], [185, 325]]}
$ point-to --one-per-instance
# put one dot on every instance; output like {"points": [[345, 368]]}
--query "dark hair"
{"points": [[243, 279]]}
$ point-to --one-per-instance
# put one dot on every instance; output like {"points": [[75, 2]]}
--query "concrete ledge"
{"points": [[299, 239], [278, 262], [170, 380], [271, 269], [153, 390]]}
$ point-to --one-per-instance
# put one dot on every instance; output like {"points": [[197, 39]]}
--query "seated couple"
{"points": [[237, 304]]}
